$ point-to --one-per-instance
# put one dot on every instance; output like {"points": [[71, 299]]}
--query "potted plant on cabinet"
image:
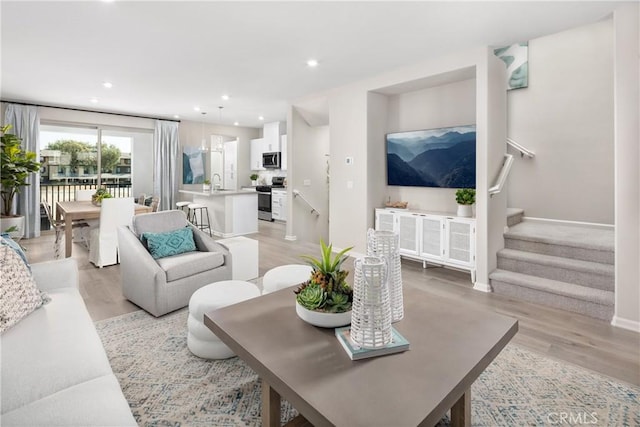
{"points": [[254, 179], [325, 299], [465, 197], [17, 165]]}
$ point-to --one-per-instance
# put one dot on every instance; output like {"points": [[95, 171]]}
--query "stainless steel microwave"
{"points": [[271, 160]]}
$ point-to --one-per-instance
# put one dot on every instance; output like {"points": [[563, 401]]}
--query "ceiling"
{"points": [[163, 58]]}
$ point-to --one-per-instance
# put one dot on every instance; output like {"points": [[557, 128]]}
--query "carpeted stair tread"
{"points": [[565, 235], [514, 211], [586, 273], [565, 289]]}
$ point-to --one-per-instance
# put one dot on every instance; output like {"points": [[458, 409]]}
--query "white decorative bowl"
{"points": [[323, 320]]}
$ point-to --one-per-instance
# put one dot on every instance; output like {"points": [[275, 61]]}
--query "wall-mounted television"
{"points": [[444, 157]]}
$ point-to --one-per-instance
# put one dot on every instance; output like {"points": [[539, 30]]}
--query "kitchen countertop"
{"points": [[218, 193]]}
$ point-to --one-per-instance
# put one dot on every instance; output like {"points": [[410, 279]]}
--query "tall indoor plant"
{"points": [[16, 166]]}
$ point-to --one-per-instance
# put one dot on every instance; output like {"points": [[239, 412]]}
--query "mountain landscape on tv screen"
{"points": [[433, 158]]}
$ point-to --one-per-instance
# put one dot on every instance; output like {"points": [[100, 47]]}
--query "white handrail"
{"points": [[296, 193], [523, 150], [502, 176]]}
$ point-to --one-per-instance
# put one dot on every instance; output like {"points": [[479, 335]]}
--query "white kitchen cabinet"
{"points": [[271, 135], [279, 204], [431, 237], [230, 179], [257, 148], [283, 150]]}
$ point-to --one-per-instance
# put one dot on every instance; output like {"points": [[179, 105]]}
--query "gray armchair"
{"points": [[166, 284]]}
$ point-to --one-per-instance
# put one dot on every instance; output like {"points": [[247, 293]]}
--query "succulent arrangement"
{"points": [[326, 290], [100, 194], [466, 196]]}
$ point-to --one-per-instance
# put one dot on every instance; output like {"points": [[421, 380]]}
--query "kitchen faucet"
{"points": [[218, 185]]}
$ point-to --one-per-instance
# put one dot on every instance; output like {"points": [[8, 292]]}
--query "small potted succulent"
{"points": [[325, 299], [254, 179], [206, 185], [465, 197], [100, 194]]}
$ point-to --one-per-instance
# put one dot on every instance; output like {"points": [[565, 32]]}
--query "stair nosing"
{"points": [[527, 281]]}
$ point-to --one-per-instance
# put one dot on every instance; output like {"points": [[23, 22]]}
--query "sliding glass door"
{"points": [[71, 159]]}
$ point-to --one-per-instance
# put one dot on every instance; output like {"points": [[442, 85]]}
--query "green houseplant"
{"points": [[327, 291], [17, 165], [465, 197], [254, 178], [100, 194]]}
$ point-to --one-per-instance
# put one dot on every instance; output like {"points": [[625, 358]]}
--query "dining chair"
{"points": [[83, 232], [58, 228], [141, 199], [103, 249], [155, 203], [84, 195]]}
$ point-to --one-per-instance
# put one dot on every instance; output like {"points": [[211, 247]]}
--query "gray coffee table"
{"points": [[451, 344]]}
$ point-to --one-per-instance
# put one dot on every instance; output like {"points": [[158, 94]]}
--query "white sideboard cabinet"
{"points": [[437, 238]]}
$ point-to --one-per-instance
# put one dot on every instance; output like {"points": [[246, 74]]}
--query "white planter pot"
{"points": [[13, 221], [206, 188], [324, 320], [254, 182], [465, 211]]}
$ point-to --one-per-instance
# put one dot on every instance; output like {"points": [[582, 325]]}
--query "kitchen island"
{"points": [[232, 213]]}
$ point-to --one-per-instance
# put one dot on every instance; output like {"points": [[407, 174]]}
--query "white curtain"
{"points": [[165, 159], [25, 123]]}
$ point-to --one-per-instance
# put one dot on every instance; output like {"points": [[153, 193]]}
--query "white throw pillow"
{"points": [[19, 294]]}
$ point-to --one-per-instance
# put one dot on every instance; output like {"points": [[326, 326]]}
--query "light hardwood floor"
{"points": [[570, 337]]}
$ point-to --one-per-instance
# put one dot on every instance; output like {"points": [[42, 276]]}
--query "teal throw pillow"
{"points": [[169, 243]]}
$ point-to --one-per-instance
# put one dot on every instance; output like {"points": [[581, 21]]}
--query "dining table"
{"points": [[70, 211]]}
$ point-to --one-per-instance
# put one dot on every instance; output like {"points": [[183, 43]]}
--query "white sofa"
{"points": [[54, 370]]}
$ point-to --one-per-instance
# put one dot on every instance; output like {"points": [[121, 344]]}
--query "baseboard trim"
{"points": [[291, 238], [482, 287], [569, 223], [631, 325]]}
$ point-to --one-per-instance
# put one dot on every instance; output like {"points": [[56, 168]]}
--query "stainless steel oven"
{"points": [[264, 202]]}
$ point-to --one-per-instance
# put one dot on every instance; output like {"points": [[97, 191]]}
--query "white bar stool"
{"points": [[194, 208]]}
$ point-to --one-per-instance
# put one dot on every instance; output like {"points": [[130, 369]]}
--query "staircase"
{"points": [[562, 266]]}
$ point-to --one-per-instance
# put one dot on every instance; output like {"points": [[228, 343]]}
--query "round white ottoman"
{"points": [[200, 340], [285, 276]]}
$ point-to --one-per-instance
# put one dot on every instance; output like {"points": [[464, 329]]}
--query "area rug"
{"points": [[166, 385]]}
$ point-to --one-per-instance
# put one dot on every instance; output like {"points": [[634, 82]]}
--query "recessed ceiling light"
{"points": [[260, 118], [225, 97], [94, 100], [108, 85], [175, 116], [312, 63], [236, 123], [196, 108]]}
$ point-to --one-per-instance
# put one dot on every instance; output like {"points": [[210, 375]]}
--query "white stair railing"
{"points": [[296, 193], [502, 176], [524, 151]]}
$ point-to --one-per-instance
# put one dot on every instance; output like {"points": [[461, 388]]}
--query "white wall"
{"points": [[309, 158], [448, 105], [190, 134], [627, 160], [377, 124], [566, 117]]}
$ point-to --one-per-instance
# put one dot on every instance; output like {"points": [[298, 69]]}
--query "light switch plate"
{"points": [[348, 160]]}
